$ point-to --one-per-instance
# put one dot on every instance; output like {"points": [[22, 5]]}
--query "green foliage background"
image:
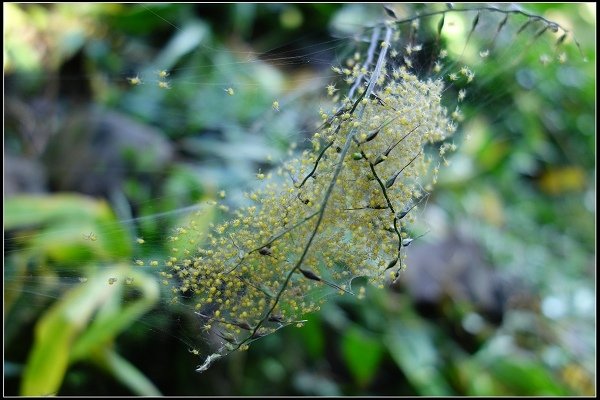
{"points": [[522, 190]]}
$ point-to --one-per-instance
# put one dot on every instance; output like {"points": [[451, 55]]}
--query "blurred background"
{"points": [[499, 297]]}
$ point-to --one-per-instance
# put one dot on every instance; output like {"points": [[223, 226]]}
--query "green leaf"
{"points": [[66, 223], [107, 326], [412, 348], [56, 341], [49, 358], [362, 354], [126, 373], [523, 376], [313, 337], [26, 210], [508, 374], [187, 39]]}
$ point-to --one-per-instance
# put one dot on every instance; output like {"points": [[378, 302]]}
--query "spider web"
{"points": [[467, 36]]}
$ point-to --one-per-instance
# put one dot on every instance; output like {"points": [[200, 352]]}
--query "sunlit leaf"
{"points": [[56, 334]]}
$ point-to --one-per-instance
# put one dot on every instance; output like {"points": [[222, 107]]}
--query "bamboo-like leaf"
{"points": [[57, 333], [126, 373]]}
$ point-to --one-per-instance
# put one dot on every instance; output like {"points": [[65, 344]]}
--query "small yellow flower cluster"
{"points": [[252, 274]]}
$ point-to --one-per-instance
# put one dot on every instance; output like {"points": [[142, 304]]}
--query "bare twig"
{"points": [[369, 60]]}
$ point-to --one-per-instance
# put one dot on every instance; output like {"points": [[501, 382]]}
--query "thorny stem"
{"points": [[484, 8], [317, 162], [532, 17], [387, 152], [387, 199], [384, 191], [391, 181], [328, 192]]}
